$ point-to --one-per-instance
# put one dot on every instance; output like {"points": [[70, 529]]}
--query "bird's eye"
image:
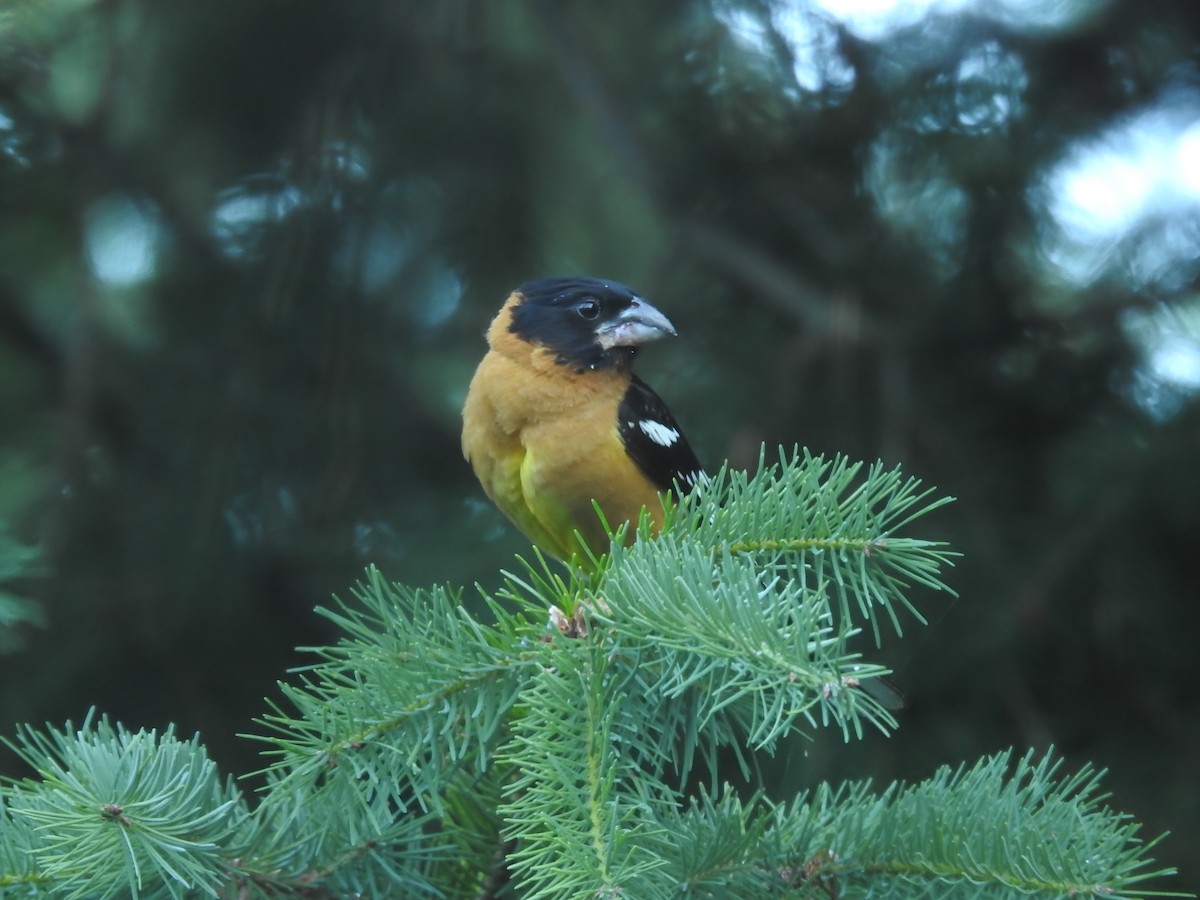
{"points": [[588, 308]]}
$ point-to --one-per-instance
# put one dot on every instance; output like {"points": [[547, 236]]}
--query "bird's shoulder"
{"points": [[654, 440]]}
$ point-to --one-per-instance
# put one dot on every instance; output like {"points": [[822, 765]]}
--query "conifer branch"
{"points": [[116, 812], [545, 748], [578, 829], [836, 517], [996, 826]]}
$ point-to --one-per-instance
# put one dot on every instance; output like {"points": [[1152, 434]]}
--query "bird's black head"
{"points": [[588, 323]]}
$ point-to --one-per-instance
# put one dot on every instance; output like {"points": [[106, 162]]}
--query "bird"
{"points": [[556, 424]]}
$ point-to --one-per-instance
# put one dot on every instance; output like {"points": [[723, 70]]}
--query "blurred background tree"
{"points": [[248, 251]]}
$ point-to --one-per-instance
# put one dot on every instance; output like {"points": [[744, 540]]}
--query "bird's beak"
{"points": [[639, 324]]}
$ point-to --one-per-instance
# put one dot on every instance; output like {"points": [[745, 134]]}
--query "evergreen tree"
{"points": [[593, 734]]}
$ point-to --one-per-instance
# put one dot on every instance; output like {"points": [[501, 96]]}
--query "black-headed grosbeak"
{"points": [[555, 419]]}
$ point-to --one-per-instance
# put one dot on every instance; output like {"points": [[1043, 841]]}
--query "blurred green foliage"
{"points": [[249, 250]]}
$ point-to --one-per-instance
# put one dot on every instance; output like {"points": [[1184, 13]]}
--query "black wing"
{"points": [[654, 440]]}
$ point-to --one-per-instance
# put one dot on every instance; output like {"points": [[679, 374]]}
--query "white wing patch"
{"points": [[663, 435]]}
